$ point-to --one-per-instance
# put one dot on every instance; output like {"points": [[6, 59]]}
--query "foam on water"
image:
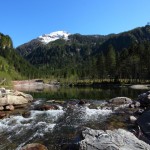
{"points": [[45, 124], [14, 122], [95, 112]]}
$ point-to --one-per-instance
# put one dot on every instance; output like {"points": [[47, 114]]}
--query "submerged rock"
{"points": [[47, 107], [82, 102], [144, 99], [144, 122], [34, 146], [111, 140], [2, 115]]}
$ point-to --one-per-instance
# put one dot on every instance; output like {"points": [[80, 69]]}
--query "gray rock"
{"points": [[137, 104], [140, 111], [132, 119], [111, 140], [144, 122], [132, 106], [144, 99], [2, 92], [120, 100]]}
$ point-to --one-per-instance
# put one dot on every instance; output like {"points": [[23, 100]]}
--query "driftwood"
{"points": [[1, 82]]}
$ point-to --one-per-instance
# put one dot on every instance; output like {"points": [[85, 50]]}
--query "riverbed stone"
{"points": [[144, 123], [34, 146], [119, 139], [133, 119], [144, 99], [120, 100], [82, 102], [2, 114], [27, 96], [9, 107], [13, 100], [1, 108], [47, 107]]}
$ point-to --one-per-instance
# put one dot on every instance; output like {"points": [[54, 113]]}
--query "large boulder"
{"points": [[120, 100], [9, 107], [144, 99], [1, 108], [111, 140], [14, 98]]}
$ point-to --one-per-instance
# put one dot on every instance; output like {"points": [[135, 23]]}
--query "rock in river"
{"points": [[144, 122], [2, 115], [144, 99], [14, 98], [111, 140], [34, 146], [120, 100]]}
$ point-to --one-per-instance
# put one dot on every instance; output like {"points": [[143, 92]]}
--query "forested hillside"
{"points": [[12, 65], [124, 55]]}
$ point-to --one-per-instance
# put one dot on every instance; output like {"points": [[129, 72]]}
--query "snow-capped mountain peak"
{"points": [[46, 38]]}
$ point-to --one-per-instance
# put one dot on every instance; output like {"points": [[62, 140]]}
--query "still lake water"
{"points": [[105, 93], [60, 129]]}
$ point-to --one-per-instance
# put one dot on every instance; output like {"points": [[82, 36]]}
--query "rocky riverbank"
{"points": [[11, 100], [34, 85]]}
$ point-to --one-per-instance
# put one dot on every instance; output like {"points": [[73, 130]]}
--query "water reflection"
{"points": [[85, 93]]}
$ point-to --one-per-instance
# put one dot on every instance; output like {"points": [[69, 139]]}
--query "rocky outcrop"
{"points": [[10, 97], [111, 140]]}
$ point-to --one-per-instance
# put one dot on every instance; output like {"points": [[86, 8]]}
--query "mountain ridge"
{"points": [[83, 55]]}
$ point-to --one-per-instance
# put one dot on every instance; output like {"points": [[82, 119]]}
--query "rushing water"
{"points": [[59, 129]]}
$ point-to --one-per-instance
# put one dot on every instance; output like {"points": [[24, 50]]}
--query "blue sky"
{"points": [[24, 20]]}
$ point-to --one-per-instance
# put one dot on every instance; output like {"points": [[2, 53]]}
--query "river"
{"points": [[60, 129]]}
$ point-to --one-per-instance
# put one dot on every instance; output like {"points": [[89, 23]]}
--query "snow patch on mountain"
{"points": [[46, 38]]}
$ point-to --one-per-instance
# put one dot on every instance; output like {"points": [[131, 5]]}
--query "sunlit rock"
{"points": [[111, 140], [9, 97]]}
